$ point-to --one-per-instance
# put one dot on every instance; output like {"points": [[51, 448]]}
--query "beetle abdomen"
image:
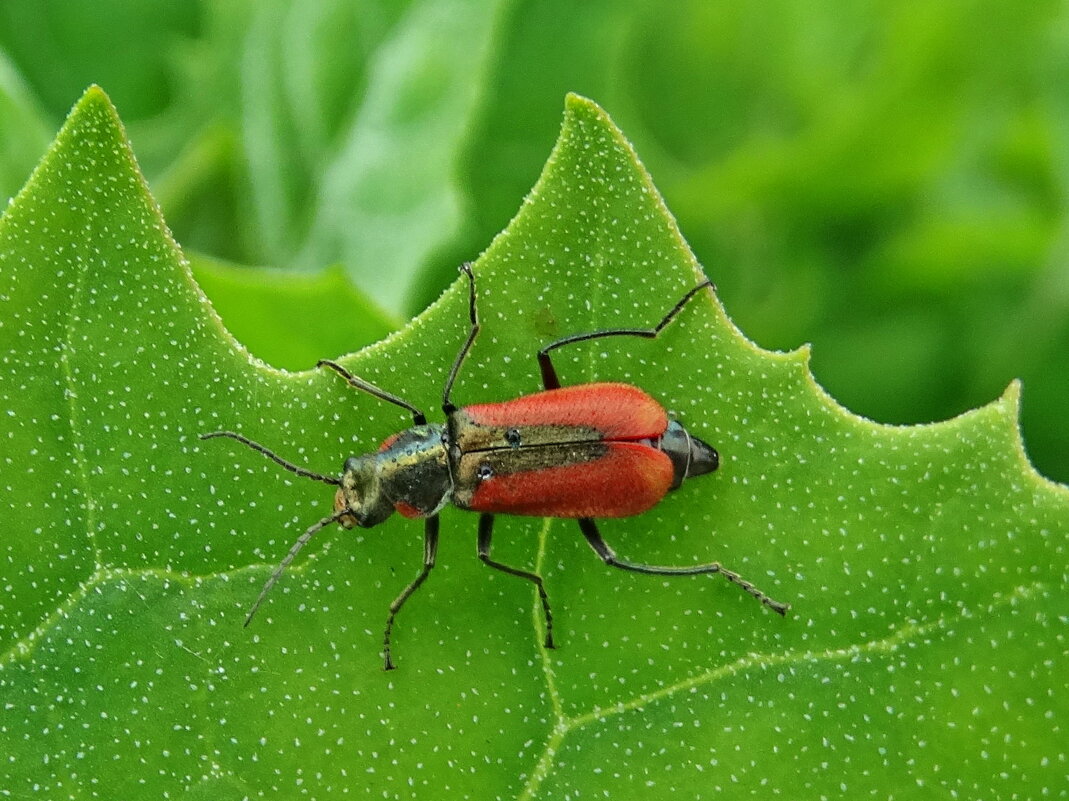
{"points": [[690, 456]]}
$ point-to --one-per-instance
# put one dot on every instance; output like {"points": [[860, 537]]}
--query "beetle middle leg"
{"points": [[430, 552], [473, 331], [486, 529], [608, 555], [545, 363]]}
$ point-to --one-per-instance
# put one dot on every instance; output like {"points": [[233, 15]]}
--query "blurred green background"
{"points": [[886, 180]]}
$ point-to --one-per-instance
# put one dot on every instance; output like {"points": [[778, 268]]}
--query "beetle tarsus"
{"points": [[776, 606]]}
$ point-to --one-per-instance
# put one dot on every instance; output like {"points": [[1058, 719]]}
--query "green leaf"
{"points": [[924, 654], [256, 302]]}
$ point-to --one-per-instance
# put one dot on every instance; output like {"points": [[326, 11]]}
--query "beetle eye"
{"points": [[512, 437], [339, 501], [484, 471]]}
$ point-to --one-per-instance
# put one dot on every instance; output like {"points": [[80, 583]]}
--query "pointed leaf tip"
{"points": [[577, 105], [574, 100], [94, 97]]}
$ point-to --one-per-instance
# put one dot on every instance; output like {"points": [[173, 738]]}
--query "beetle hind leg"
{"points": [[608, 555], [486, 529]]}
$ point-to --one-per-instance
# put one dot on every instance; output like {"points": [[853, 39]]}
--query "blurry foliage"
{"points": [[883, 179]]}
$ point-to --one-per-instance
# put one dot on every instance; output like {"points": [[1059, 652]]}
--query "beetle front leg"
{"points": [[418, 417], [430, 552], [486, 529], [602, 549]]}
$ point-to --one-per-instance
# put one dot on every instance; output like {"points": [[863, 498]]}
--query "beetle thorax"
{"points": [[409, 474]]}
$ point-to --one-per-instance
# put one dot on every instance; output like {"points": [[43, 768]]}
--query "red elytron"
{"points": [[583, 452]]}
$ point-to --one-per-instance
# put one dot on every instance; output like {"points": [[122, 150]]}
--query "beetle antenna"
{"points": [[300, 543], [256, 446]]}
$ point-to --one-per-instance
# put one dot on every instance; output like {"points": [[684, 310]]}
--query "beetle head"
{"points": [[360, 494]]}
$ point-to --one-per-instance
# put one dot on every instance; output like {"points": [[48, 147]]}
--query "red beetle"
{"points": [[582, 452]]}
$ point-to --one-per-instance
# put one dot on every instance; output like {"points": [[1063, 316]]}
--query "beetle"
{"points": [[597, 450]]}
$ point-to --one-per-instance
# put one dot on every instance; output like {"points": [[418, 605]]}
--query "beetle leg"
{"points": [[593, 536], [486, 528], [545, 363], [462, 354], [418, 417], [430, 551]]}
